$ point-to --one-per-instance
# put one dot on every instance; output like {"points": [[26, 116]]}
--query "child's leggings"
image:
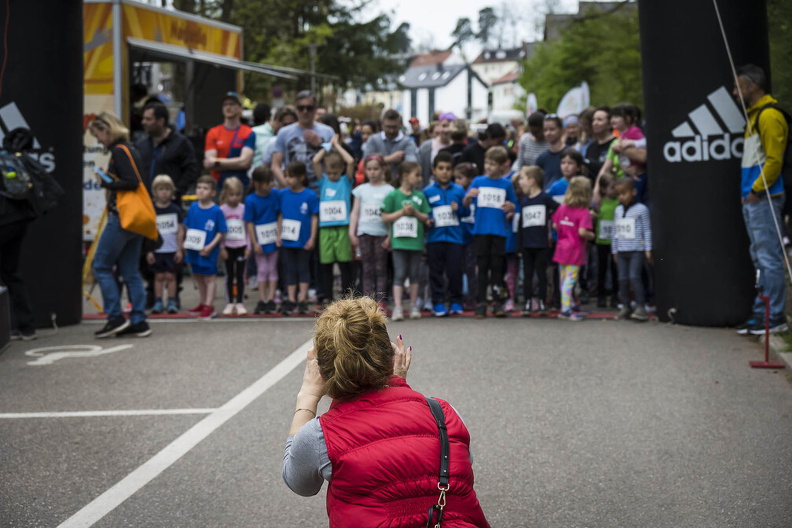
{"points": [[512, 275], [235, 271], [569, 277], [374, 261]]}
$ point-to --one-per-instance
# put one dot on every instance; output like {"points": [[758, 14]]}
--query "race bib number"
{"points": [[625, 228], [267, 233], [534, 215], [605, 229], [195, 239], [333, 211], [290, 230], [471, 219], [491, 197], [236, 229], [444, 216], [167, 224], [372, 212], [405, 227]]}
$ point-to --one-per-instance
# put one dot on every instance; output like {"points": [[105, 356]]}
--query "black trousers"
{"points": [[535, 262], [347, 278], [605, 262], [446, 260], [235, 272], [490, 253], [11, 237]]}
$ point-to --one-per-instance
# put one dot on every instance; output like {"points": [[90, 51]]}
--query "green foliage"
{"points": [[463, 32], [601, 50], [487, 20], [779, 19]]}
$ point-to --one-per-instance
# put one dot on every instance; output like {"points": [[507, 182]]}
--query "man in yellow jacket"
{"points": [[762, 191]]}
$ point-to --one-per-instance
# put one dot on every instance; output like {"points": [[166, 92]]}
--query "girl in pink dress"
{"points": [[573, 222]]}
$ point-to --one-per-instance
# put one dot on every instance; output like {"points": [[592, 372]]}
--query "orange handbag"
{"points": [[135, 209]]}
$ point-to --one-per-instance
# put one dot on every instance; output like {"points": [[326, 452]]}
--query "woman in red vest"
{"points": [[378, 445]]}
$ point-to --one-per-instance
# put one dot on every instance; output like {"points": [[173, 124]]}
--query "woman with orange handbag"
{"points": [[120, 243]]}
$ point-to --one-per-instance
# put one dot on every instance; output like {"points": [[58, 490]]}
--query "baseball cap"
{"points": [[232, 95]]}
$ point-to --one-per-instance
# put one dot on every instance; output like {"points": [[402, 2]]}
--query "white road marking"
{"points": [[92, 414], [110, 499], [49, 355]]}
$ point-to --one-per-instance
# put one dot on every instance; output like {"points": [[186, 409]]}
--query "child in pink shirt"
{"points": [[572, 220], [236, 248]]}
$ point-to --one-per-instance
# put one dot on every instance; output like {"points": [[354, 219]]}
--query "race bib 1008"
{"points": [[605, 229], [290, 229], [534, 215], [372, 212], [267, 233], [333, 211], [444, 216], [405, 227], [195, 239], [491, 197], [625, 228], [236, 229], [168, 224]]}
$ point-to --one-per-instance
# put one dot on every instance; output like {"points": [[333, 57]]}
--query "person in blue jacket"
{"points": [[445, 240]]}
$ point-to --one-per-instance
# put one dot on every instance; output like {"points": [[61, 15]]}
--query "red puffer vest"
{"points": [[384, 447]]}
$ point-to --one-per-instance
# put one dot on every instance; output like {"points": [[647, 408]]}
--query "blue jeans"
{"points": [[119, 248], [767, 254], [630, 265]]}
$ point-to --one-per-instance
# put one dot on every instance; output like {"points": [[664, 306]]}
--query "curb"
{"points": [[778, 349]]}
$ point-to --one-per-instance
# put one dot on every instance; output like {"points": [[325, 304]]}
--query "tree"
{"points": [[613, 73], [779, 20], [487, 20], [463, 32]]}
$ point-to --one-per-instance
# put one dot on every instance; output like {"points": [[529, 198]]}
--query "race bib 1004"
{"points": [[290, 229], [333, 211], [605, 229], [195, 239], [534, 215], [168, 224], [625, 228], [405, 227], [267, 233], [491, 197], [236, 229], [372, 212], [444, 216]]}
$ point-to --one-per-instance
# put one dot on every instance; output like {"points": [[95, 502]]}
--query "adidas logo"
{"points": [[713, 127], [11, 118]]}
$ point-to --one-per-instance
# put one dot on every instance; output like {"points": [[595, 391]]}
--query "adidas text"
{"points": [[701, 149]]}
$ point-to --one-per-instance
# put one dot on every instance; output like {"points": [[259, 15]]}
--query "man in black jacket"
{"points": [[165, 151]]}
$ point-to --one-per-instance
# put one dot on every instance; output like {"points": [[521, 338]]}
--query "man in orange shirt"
{"points": [[229, 147]]}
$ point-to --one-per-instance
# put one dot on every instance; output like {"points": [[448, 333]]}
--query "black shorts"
{"points": [[163, 263]]}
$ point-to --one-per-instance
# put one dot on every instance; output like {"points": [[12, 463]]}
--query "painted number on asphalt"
{"points": [[49, 355]]}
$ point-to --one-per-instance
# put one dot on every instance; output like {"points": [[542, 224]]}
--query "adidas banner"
{"points": [[41, 90], [703, 272]]}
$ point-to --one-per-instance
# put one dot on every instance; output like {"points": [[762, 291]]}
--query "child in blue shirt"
{"points": [[463, 176], [205, 225], [445, 239], [495, 203], [261, 222], [511, 261], [298, 222], [335, 193]]}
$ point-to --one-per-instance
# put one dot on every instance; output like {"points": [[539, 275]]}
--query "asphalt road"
{"points": [[593, 424]]}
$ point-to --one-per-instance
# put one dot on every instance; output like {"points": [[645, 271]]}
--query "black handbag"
{"points": [[436, 510]]}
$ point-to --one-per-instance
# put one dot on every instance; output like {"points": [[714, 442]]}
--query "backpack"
{"points": [[15, 182], [786, 167], [23, 177]]}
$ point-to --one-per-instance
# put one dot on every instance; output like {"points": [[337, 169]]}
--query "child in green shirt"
{"points": [[406, 210], [605, 213]]}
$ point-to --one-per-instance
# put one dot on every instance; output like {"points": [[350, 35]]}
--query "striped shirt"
{"points": [[529, 150], [632, 230]]}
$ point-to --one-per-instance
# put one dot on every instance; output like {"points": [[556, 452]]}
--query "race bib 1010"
{"points": [[625, 228]]}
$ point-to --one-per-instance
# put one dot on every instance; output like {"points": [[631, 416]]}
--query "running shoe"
{"points": [[498, 311], [570, 316], [286, 308], [141, 329], [173, 306], [624, 313], [777, 326], [639, 314], [456, 309], [440, 310], [229, 309], [271, 307], [398, 315], [28, 334], [509, 306], [158, 307], [302, 307], [261, 308], [415, 313], [240, 309], [481, 311], [196, 311], [111, 328], [208, 313], [745, 328]]}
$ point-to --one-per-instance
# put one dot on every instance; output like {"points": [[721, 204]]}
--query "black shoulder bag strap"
{"points": [[436, 510]]}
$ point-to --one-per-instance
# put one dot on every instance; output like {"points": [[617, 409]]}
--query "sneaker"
{"points": [[776, 327], [398, 314], [440, 310], [650, 308], [541, 309], [208, 312], [302, 307], [639, 314], [509, 306], [456, 309], [173, 306], [196, 311], [745, 328], [415, 313], [141, 329], [229, 309], [481, 311], [602, 302], [111, 328], [527, 309], [577, 308], [498, 311], [570, 316], [624, 313], [270, 307], [286, 308], [23, 335], [158, 307], [427, 306], [261, 307], [240, 309]]}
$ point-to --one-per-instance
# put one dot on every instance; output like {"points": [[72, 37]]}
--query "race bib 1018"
{"points": [[491, 197]]}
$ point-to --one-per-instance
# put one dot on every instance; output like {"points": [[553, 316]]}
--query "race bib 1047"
{"points": [[167, 224], [444, 216], [405, 227], [491, 197], [236, 229], [267, 233], [534, 215], [290, 229], [195, 239], [333, 211], [625, 228]]}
